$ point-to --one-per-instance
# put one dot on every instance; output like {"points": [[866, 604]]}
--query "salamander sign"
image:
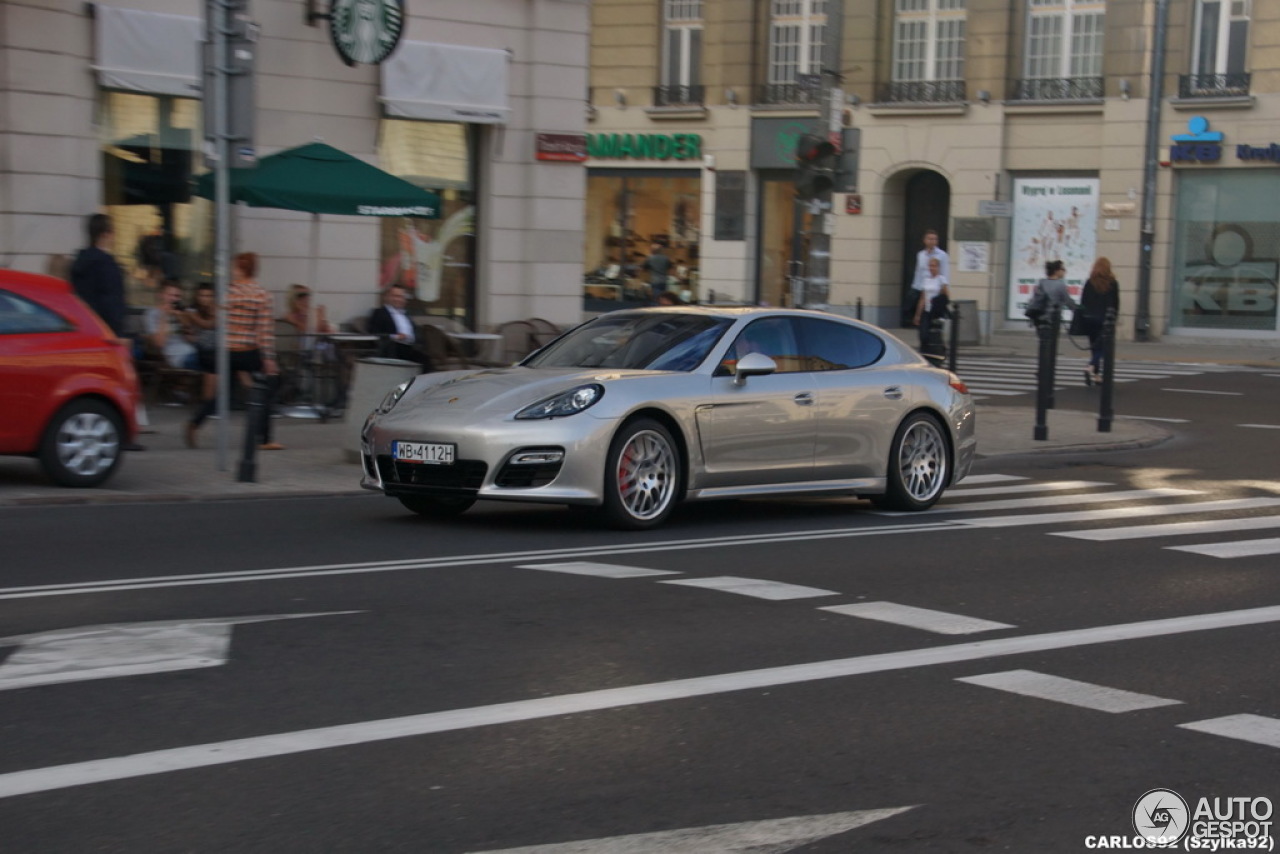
{"points": [[644, 146]]}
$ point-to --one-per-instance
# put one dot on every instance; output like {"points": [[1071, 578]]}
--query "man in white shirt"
{"points": [[923, 257], [399, 334]]}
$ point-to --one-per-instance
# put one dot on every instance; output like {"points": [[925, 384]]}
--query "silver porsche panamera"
{"points": [[635, 411]]}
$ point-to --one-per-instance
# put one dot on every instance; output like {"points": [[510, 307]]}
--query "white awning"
{"points": [[446, 83], [147, 51]]}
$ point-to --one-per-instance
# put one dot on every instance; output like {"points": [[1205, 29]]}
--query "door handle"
{"points": [[893, 392], [804, 398]]}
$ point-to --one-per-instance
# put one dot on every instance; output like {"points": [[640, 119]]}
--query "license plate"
{"points": [[430, 453]]}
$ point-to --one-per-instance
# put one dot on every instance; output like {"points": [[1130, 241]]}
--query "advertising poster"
{"points": [[1054, 219]]}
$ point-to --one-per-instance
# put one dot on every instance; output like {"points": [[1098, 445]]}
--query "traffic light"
{"points": [[816, 161]]}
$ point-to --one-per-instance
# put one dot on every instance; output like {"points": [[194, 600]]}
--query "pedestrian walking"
{"points": [[251, 340], [929, 252], [1051, 292], [1101, 292], [658, 266], [935, 296]]}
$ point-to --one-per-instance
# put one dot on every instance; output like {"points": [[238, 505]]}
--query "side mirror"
{"points": [[753, 365]]}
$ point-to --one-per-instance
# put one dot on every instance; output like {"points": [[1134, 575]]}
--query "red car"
{"points": [[68, 390]]}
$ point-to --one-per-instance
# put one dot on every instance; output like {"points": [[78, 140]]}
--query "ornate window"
{"points": [[1064, 50], [796, 32], [681, 53], [928, 51], [1221, 42]]}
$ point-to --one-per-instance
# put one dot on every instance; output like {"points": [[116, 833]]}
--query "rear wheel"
{"points": [[436, 507], [82, 444], [642, 476], [918, 465]]}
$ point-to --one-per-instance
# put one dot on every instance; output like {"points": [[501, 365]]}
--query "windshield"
{"points": [[643, 341]]}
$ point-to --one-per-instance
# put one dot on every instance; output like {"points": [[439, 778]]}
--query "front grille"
{"points": [[465, 475], [526, 476]]}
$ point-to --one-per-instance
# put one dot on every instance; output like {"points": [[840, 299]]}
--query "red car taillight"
{"points": [[958, 384]]}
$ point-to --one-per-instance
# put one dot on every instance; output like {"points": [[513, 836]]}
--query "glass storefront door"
{"points": [[784, 224], [1226, 251]]}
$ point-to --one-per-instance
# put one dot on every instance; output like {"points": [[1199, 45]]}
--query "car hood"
{"points": [[503, 390]]}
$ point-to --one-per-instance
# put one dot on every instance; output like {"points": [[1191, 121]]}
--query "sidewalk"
{"points": [[314, 462]]}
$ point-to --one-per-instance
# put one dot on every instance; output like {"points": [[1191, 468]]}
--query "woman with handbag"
{"points": [[934, 298], [1100, 293]]}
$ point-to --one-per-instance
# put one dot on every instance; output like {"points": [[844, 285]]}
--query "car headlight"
{"points": [[393, 397], [570, 402]]}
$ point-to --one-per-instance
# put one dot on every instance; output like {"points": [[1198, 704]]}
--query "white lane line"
{"points": [[993, 478], [1083, 694], [1261, 426], [1152, 418], [1043, 486], [1254, 728], [1204, 391], [1136, 511], [1243, 548], [324, 570], [1173, 529], [757, 587], [365, 732], [917, 618], [1050, 501], [749, 837], [599, 570], [991, 392]]}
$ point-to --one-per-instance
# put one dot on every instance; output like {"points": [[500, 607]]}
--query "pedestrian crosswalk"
{"points": [[996, 378]]}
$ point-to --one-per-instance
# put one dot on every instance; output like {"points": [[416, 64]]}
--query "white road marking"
{"points": [[1088, 696], [771, 836], [1254, 728], [992, 478], [322, 570], [123, 649], [1261, 426], [365, 732], [757, 587], [1152, 418], [1131, 512], [985, 390], [1050, 501], [1173, 529], [1241, 548], [1040, 486], [600, 570], [917, 618], [1204, 391]]}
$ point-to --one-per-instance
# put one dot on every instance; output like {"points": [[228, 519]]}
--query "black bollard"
{"points": [[1047, 330], [1055, 321], [859, 310], [954, 337], [1105, 411], [255, 409]]}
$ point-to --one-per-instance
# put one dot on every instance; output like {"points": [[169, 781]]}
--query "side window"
{"points": [[833, 346], [18, 314], [775, 337]]}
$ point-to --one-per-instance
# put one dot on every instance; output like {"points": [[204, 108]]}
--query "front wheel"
{"points": [[918, 465], [82, 445], [436, 507], [642, 476]]}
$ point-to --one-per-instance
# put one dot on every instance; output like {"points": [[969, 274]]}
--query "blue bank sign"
{"points": [[1201, 145]]}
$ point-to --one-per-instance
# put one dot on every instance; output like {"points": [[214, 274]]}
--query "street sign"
{"points": [[992, 208]]}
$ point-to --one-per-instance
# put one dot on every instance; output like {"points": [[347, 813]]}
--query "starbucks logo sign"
{"points": [[366, 31]]}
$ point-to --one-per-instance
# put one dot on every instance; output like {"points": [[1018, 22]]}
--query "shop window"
{"points": [[628, 212], [149, 150], [1226, 251], [434, 259]]}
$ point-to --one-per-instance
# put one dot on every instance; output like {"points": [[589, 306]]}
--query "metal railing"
{"points": [[922, 92], [1057, 89], [1213, 85], [679, 96], [788, 93]]}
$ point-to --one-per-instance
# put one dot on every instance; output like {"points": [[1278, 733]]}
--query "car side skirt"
{"points": [[858, 486]]}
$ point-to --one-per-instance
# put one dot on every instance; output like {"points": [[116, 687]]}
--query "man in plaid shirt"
{"points": [[252, 342]]}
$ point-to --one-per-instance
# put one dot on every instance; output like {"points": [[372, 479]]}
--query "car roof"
{"points": [[33, 283], [733, 311]]}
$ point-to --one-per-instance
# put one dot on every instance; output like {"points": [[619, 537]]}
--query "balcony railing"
{"points": [[1213, 85], [788, 93], [923, 92], [678, 96], [1058, 89]]}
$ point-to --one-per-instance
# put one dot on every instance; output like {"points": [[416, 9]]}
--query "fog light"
{"points": [[534, 458]]}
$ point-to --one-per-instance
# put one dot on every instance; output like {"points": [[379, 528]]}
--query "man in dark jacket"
{"points": [[98, 279]]}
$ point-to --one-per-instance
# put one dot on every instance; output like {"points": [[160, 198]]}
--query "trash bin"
{"points": [[371, 379], [970, 331]]}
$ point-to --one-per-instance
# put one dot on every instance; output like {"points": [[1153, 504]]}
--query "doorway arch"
{"points": [[926, 204]]}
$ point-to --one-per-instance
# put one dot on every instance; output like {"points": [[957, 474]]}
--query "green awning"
{"points": [[320, 179]]}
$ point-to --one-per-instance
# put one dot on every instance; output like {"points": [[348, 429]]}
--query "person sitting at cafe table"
{"points": [[307, 319], [397, 330]]}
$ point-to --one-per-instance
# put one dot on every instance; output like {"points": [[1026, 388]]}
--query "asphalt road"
{"points": [[1012, 671]]}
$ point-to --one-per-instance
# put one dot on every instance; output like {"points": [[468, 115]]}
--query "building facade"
{"points": [[101, 110], [1017, 129]]}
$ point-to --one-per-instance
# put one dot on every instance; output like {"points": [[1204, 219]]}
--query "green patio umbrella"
{"points": [[320, 179]]}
